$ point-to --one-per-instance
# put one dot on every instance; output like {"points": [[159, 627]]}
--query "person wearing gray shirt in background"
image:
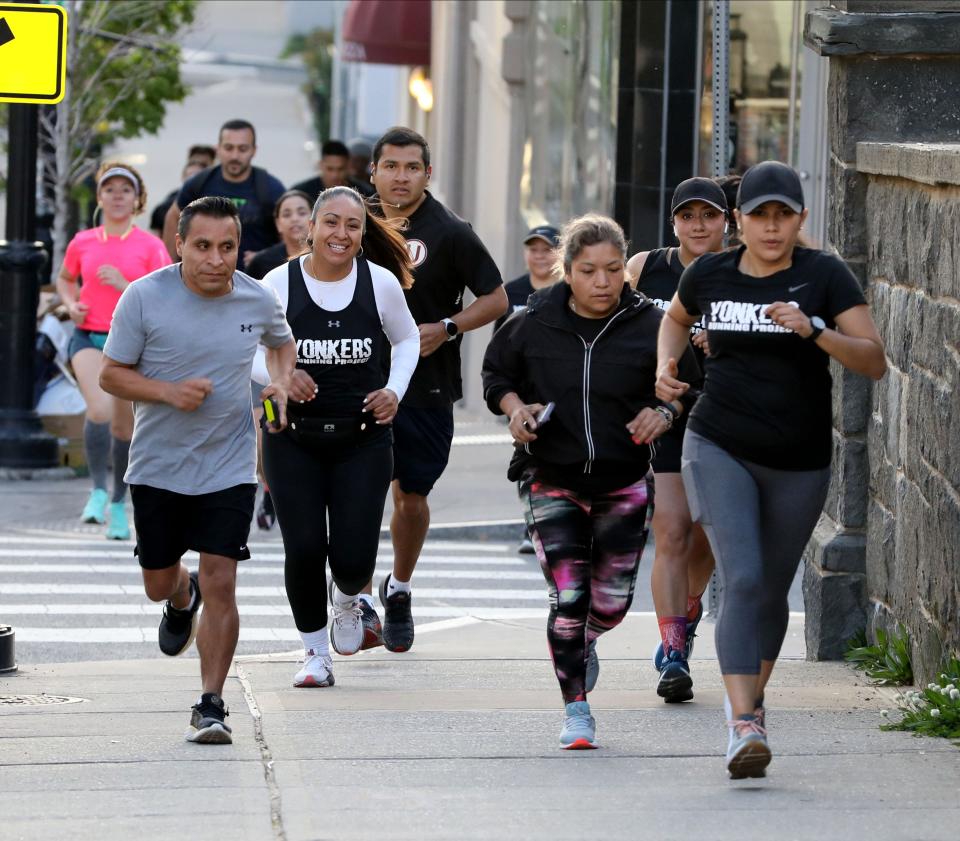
{"points": [[181, 346]]}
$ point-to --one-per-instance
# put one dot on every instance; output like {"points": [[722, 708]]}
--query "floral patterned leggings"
{"points": [[589, 547]]}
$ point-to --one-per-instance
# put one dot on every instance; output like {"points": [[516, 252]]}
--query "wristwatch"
{"points": [[451, 327], [818, 325]]}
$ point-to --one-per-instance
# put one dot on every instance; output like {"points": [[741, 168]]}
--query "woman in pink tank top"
{"points": [[98, 265]]}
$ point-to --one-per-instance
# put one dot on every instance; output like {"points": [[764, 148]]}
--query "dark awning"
{"points": [[387, 32]]}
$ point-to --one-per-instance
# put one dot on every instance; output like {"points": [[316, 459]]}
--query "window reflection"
{"points": [[569, 153], [764, 82]]}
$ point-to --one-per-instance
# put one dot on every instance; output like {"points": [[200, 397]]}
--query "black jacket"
{"points": [[597, 387]]}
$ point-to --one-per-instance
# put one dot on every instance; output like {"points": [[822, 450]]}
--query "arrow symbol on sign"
{"points": [[6, 35]]}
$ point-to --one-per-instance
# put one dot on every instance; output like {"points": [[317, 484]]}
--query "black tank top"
{"points": [[343, 351], [659, 279], [660, 276]]}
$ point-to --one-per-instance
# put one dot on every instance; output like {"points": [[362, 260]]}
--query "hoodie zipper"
{"points": [[587, 424]]}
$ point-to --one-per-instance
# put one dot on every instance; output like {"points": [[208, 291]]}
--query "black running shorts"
{"points": [[421, 447], [668, 449], [169, 524]]}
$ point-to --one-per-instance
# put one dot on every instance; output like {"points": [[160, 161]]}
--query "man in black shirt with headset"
{"points": [[447, 258]]}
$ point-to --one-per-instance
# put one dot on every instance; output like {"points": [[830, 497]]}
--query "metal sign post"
{"points": [[33, 42], [720, 157]]}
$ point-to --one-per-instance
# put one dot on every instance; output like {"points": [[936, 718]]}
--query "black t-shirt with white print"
{"points": [[767, 393], [448, 258]]}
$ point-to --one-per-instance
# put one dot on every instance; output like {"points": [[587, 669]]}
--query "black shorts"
{"points": [[421, 447], [169, 524], [668, 449]]}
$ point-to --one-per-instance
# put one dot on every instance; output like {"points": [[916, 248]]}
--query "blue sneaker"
{"points": [[675, 684], [95, 511], [118, 527], [593, 667], [688, 649], [579, 728]]}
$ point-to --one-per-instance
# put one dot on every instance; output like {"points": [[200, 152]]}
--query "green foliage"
{"points": [[934, 711], [133, 40], [316, 50], [887, 663]]}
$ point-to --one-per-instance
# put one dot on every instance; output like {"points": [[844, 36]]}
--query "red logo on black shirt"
{"points": [[418, 251]]}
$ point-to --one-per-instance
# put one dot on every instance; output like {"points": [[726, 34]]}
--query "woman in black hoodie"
{"points": [[587, 346]]}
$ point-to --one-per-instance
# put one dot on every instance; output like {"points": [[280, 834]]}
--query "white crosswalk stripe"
{"points": [[60, 591]]}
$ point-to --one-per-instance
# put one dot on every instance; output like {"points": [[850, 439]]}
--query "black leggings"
{"points": [[348, 485]]}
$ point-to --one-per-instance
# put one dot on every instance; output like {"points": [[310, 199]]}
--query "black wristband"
{"points": [[671, 407]]}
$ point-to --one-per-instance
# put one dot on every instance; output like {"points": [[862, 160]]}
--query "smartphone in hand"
{"points": [[545, 413], [271, 412]]}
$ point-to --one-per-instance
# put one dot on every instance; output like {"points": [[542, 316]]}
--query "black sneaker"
{"points": [[179, 627], [397, 619], [207, 725], [372, 629], [266, 515]]}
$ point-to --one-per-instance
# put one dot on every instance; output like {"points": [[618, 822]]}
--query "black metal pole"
{"points": [[23, 443]]}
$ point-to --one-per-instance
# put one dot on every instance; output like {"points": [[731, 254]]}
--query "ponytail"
{"points": [[385, 245]]}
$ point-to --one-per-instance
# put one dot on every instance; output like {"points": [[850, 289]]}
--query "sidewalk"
{"points": [[457, 740]]}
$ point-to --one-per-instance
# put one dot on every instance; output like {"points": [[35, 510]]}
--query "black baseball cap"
{"points": [[698, 189], [770, 181], [549, 234]]}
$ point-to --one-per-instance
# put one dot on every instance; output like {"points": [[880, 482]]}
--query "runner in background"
{"points": [[334, 172], [540, 255], [291, 214], [105, 260], [448, 258], [683, 562], [756, 455], [253, 190], [198, 159]]}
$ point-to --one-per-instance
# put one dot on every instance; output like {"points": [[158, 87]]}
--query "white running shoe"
{"points": [[317, 670], [346, 627]]}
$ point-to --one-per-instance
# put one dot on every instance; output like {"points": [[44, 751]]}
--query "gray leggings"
{"points": [[758, 521]]}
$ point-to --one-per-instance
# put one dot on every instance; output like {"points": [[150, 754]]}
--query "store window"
{"points": [[569, 150], [764, 83]]}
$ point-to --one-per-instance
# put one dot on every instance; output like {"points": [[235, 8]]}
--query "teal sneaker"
{"points": [[579, 727], [593, 667], [95, 511], [118, 527]]}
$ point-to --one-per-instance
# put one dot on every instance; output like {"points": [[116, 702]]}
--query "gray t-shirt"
{"points": [[170, 333]]}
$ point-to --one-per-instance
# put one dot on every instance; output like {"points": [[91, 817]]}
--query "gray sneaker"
{"points": [[346, 624], [747, 752], [579, 727], [593, 667]]}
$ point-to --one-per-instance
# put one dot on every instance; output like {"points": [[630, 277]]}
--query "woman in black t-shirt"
{"points": [[756, 456], [588, 347], [682, 563]]}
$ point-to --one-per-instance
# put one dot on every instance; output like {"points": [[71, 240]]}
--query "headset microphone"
{"points": [[726, 227]]}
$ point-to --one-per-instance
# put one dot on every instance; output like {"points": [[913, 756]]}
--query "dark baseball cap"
{"points": [[549, 234], [770, 181], [698, 189]]}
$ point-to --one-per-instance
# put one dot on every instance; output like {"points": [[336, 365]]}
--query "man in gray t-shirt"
{"points": [[181, 346]]}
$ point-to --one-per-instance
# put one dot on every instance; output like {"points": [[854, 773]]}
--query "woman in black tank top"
{"points": [[334, 461], [683, 562]]}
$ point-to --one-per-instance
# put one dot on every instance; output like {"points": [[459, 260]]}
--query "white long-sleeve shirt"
{"points": [[334, 296]]}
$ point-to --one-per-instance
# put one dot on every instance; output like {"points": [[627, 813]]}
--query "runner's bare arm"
{"points": [[671, 343], [483, 310], [123, 381], [635, 266]]}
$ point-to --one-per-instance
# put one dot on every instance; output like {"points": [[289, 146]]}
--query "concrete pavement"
{"points": [[457, 740]]}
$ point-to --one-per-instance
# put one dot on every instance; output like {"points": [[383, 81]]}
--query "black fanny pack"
{"points": [[320, 432]]}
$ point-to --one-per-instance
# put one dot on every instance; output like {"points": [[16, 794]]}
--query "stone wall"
{"points": [[886, 547], [913, 519]]}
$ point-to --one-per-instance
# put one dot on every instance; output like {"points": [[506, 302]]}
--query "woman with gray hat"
{"points": [[756, 455]]}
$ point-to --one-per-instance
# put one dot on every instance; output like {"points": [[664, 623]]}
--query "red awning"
{"points": [[387, 32]]}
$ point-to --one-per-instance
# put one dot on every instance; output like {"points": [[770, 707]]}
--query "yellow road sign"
{"points": [[33, 53]]}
